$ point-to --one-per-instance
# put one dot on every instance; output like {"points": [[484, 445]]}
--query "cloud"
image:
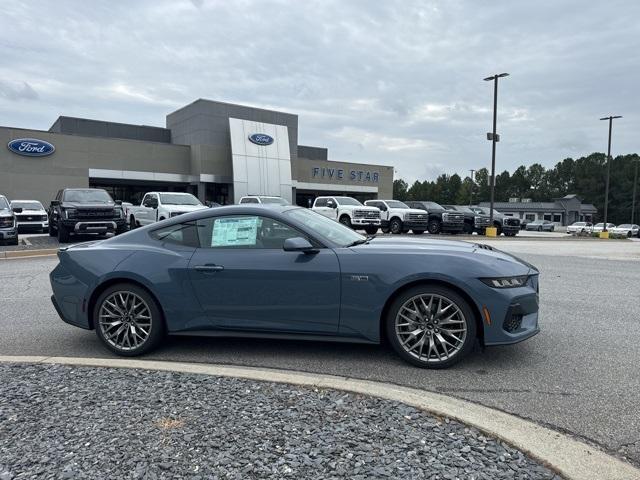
{"points": [[396, 82], [17, 91]]}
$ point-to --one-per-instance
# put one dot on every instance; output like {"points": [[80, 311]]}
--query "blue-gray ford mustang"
{"points": [[288, 272]]}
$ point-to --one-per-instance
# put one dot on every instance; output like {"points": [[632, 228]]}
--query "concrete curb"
{"points": [[6, 254], [573, 459]]}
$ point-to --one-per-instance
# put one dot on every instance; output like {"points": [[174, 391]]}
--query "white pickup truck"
{"points": [[398, 217], [158, 206], [350, 212]]}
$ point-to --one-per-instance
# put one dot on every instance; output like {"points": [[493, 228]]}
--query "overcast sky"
{"points": [[390, 82]]}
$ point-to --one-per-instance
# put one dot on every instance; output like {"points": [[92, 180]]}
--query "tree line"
{"points": [[584, 176]]}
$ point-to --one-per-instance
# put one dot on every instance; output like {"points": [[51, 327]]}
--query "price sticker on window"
{"points": [[232, 232]]}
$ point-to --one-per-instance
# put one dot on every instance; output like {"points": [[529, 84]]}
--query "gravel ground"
{"points": [[66, 422]]}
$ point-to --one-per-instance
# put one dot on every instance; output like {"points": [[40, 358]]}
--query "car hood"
{"points": [[426, 245], [414, 210], [6, 213], [361, 207], [33, 212], [88, 205], [183, 208]]}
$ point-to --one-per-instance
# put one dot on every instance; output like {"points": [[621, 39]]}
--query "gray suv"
{"points": [[8, 224]]}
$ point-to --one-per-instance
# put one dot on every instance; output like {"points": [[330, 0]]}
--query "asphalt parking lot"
{"points": [[579, 375]]}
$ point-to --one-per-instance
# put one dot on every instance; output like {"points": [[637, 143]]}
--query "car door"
{"points": [[321, 206], [149, 212], [244, 280]]}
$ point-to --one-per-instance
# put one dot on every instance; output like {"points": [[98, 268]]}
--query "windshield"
{"points": [[3, 203], [434, 205], [178, 199], [464, 209], [396, 204], [27, 205], [274, 200], [347, 201], [324, 227], [87, 196]]}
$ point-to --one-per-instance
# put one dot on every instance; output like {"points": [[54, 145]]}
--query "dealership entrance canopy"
{"points": [[217, 151]]}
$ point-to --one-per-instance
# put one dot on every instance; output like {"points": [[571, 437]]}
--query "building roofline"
{"points": [[229, 104], [105, 121]]}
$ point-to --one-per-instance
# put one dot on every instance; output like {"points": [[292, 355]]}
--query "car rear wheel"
{"points": [[345, 220], [431, 326], [128, 320]]}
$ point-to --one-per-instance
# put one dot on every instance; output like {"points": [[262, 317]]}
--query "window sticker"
{"points": [[231, 232]]}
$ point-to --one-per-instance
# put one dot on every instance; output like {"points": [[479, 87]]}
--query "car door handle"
{"points": [[209, 268]]}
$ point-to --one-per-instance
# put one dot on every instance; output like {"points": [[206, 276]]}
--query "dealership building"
{"points": [[215, 150]]}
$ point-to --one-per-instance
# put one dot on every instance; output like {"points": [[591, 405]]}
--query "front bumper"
{"points": [[365, 221], [94, 226], [8, 233], [39, 225], [452, 227]]}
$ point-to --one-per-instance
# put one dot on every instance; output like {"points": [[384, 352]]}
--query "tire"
{"points": [[468, 229], [346, 221], [398, 327], [539, 229], [482, 231], [499, 230], [629, 234], [63, 234], [385, 229], [132, 223], [417, 232], [395, 226], [371, 230], [52, 231], [434, 226], [146, 307]]}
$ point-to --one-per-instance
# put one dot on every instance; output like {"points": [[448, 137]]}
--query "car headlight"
{"points": [[69, 212], [506, 282]]}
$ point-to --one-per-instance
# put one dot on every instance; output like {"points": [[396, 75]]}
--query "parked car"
{"points": [[349, 212], [247, 271], [264, 200], [85, 210], [8, 224], [510, 226], [473, 221], [628, 229], [32, 216], [440, 219], [397, 217], [158, 206], [597, 228], [541, 226], [580, 227]]}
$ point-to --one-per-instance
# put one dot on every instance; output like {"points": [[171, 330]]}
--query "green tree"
{"points": [[400, 190]]}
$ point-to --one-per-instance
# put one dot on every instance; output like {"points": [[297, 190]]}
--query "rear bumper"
{"points": [[65, 317]]}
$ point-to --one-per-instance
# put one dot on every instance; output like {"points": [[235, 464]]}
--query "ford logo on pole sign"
{"points": [[31, 147], [261, 139]]}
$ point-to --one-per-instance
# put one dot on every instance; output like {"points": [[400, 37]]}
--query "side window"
{"points": [[321, 202], [244, 231], [181, 234], [249, 200], [145, 200]]}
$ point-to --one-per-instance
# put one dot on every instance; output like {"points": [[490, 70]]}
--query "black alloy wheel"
{"points": [[395, 226], [346, 221], [434, 226]]}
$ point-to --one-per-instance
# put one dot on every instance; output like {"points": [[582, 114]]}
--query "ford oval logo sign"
{"points": [[31, 147], [261, 139]]}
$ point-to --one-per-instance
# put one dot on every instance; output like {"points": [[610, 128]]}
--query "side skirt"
{"points": [[279, 336]]}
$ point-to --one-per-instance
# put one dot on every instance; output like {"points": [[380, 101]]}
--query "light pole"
{"points": [[473, 184], [606, 188], [494, 137], [635, 183]]}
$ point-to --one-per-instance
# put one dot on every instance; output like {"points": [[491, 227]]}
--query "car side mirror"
{"points": [[17, 210], [298, 244]]}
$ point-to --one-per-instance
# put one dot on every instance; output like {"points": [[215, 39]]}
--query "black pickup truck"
{"points": [[85, 210], [440, 219], [510, 226], [473, 221]]}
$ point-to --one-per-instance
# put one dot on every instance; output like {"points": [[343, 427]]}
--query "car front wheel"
{"points": [[433, 227], [128, 320], [431, 326], [345, 220], [371, 230], [395, 226]]}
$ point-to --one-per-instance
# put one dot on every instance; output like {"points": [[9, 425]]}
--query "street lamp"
{"points": [[606, 188], [494, 137], [472, 185], [635, 183]]}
